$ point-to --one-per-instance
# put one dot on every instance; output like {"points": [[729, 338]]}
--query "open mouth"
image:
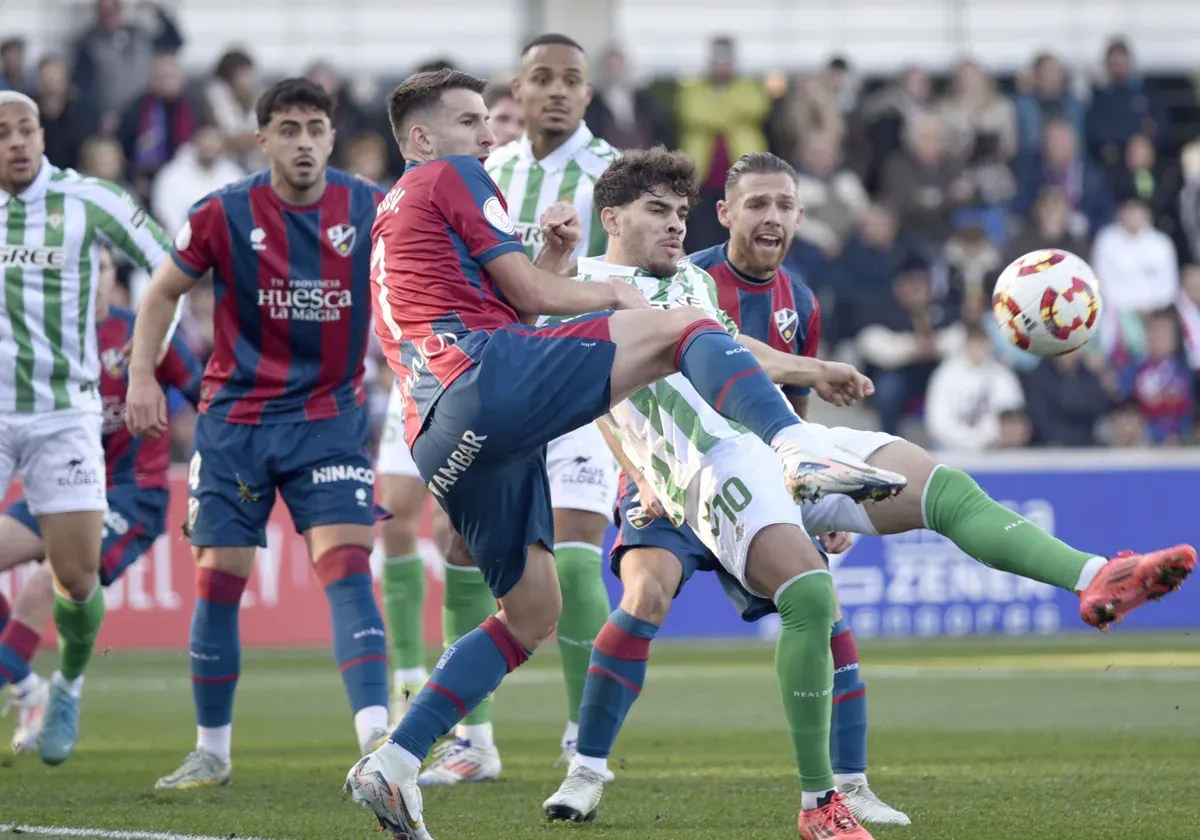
{"points": [[768, 240], [306, 165], [557, 111]]}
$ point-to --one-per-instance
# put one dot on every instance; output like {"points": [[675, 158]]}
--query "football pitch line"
{"points": [[63, 831]]}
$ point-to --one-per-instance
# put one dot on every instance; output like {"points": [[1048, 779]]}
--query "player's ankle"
{"points": [[479, 734], [217, 740], [842, 779], [596, 765]]}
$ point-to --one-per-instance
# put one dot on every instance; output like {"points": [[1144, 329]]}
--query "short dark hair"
{"points": [[551, 39], [757, 163], [232, 62], [421, 90], [640, 171], [497, 92], [14, 43], [296, 92], [434, 64]]}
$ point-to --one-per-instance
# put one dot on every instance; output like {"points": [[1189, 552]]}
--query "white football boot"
{"points": [[570, 749], [809, 477], [869, 808], [386, 784], [30, 707], [461, 761], [199, 770], [578, 797]]}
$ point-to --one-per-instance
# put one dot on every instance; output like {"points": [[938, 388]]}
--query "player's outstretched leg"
{"points": [[848, 733], [951, 503], [359, 640], [650, 577], [216, 658], [652, 345], [18, 643], [467, 602]]}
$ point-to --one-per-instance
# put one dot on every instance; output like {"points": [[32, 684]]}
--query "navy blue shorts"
{"points": [[136, 517], [482, 452], [636, 530], [321, 468]]}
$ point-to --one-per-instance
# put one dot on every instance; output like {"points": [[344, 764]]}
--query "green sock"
{"points": [[403, 600], [78, 625], [804, 665], [585, 611], [957, 508], [467, 603]]}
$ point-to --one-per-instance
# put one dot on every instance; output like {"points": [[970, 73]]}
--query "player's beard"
{"points": [[756, 260]]}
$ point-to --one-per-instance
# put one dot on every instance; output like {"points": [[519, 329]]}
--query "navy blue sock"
{"points": [[18, 643], [730, 379], [216, 653], [469, 670], [848, 733], [359, 640], [614, 680]]}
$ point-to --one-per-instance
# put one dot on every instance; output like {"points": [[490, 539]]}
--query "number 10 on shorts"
{"points": [[730, 501]]}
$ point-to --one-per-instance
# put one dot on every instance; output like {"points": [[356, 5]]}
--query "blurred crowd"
{"points": [[917, 192]]}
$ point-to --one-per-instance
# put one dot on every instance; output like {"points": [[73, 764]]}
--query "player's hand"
{"points": [[648, 499], [835, 542], [841, 384], [145, 407], [626, 296], [562, 227]]}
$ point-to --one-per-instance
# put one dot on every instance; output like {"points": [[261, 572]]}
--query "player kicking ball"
{"points": [[282, 408], [725, 490], [484, 394], [136, 517]]}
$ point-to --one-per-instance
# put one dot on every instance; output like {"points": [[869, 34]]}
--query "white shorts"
{"points": [[394, 455], [60, 458], [583, 473], [740, 491]]}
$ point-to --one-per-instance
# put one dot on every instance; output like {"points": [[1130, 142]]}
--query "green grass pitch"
{"points": [[1077, 737]]}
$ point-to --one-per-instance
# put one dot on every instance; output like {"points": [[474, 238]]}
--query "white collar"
{"points": [[557, 160], [597, 267], [35, 190]]}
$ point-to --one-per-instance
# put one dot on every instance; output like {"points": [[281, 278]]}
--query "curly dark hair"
{"points": [[640, 171]]}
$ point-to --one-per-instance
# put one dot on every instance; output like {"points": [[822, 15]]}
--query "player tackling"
{"points": [[55, 222], [728, 488], [282, 407]]}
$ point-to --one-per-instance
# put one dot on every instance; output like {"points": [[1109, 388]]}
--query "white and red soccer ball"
{"points": [[1048, 302]]}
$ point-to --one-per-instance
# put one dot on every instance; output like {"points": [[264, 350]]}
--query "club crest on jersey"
{"points": [[785, 322], [54, 219], [342, 238], [637, 517], [113, 361]]}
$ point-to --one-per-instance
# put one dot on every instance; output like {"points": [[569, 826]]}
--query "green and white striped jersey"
{"points": [[568, 173], [51, 262], [666, 429]]}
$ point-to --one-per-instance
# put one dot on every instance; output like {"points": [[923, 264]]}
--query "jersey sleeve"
{"points": [[812, 339], [194, 249], [126, 226], [469, 199], [180, 369], [706, 289]]}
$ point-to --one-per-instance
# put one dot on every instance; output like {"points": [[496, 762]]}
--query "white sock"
{"points": [[840, 779], [1088, 574], [479, 734], [788, 434], [369, 720], [408, 678], [810, 799], [391, 756], [217, 740], [74, 687], [596, 765], [20, 689], [571, 733]]}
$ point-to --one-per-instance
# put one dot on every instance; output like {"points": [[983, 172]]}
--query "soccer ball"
{"points": [[1048, 302]]}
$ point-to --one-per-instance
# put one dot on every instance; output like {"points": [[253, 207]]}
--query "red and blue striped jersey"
{"points": [[435, 303], [782, 312], [139, 461], [291, 287]]}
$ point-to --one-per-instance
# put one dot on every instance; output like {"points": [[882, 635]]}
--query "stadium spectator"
{"points": [[833, 197], [864, 273], [1048, 99], [620, 112], [1144, 176], [348, 119], [198, 168], [229, 99], [1050, 225], [157, 123], [807, 108], [1124, 427], [1061, 165], [980, 127], [721, 117], [1188, 306], [67, 119], [1189, 199], [1122, 106], [14, 66], [1136, 263], [366, 157], [924, 184], [102, 157], [1161, 385], [1067, 396], [967, 394], [903, 342], [843, 83], [971, 263], [505, 115], [888, 112], [1016, 430], [114, 58]]}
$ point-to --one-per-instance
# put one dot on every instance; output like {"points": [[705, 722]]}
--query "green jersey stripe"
{"points": [[570, 181], [533, 191], [685, 417], [14, 302], [52, 297], [506, 175]]}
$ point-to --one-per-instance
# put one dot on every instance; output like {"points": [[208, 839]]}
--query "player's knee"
{"points": [[233, 561], [457, 553], [77, 583], [443, 534], [399, 535], [650, 586]]}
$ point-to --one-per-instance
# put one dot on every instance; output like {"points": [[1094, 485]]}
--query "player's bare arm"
{"points": [[651, 506], [837, 383], [530, 289], [145, 403]]}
